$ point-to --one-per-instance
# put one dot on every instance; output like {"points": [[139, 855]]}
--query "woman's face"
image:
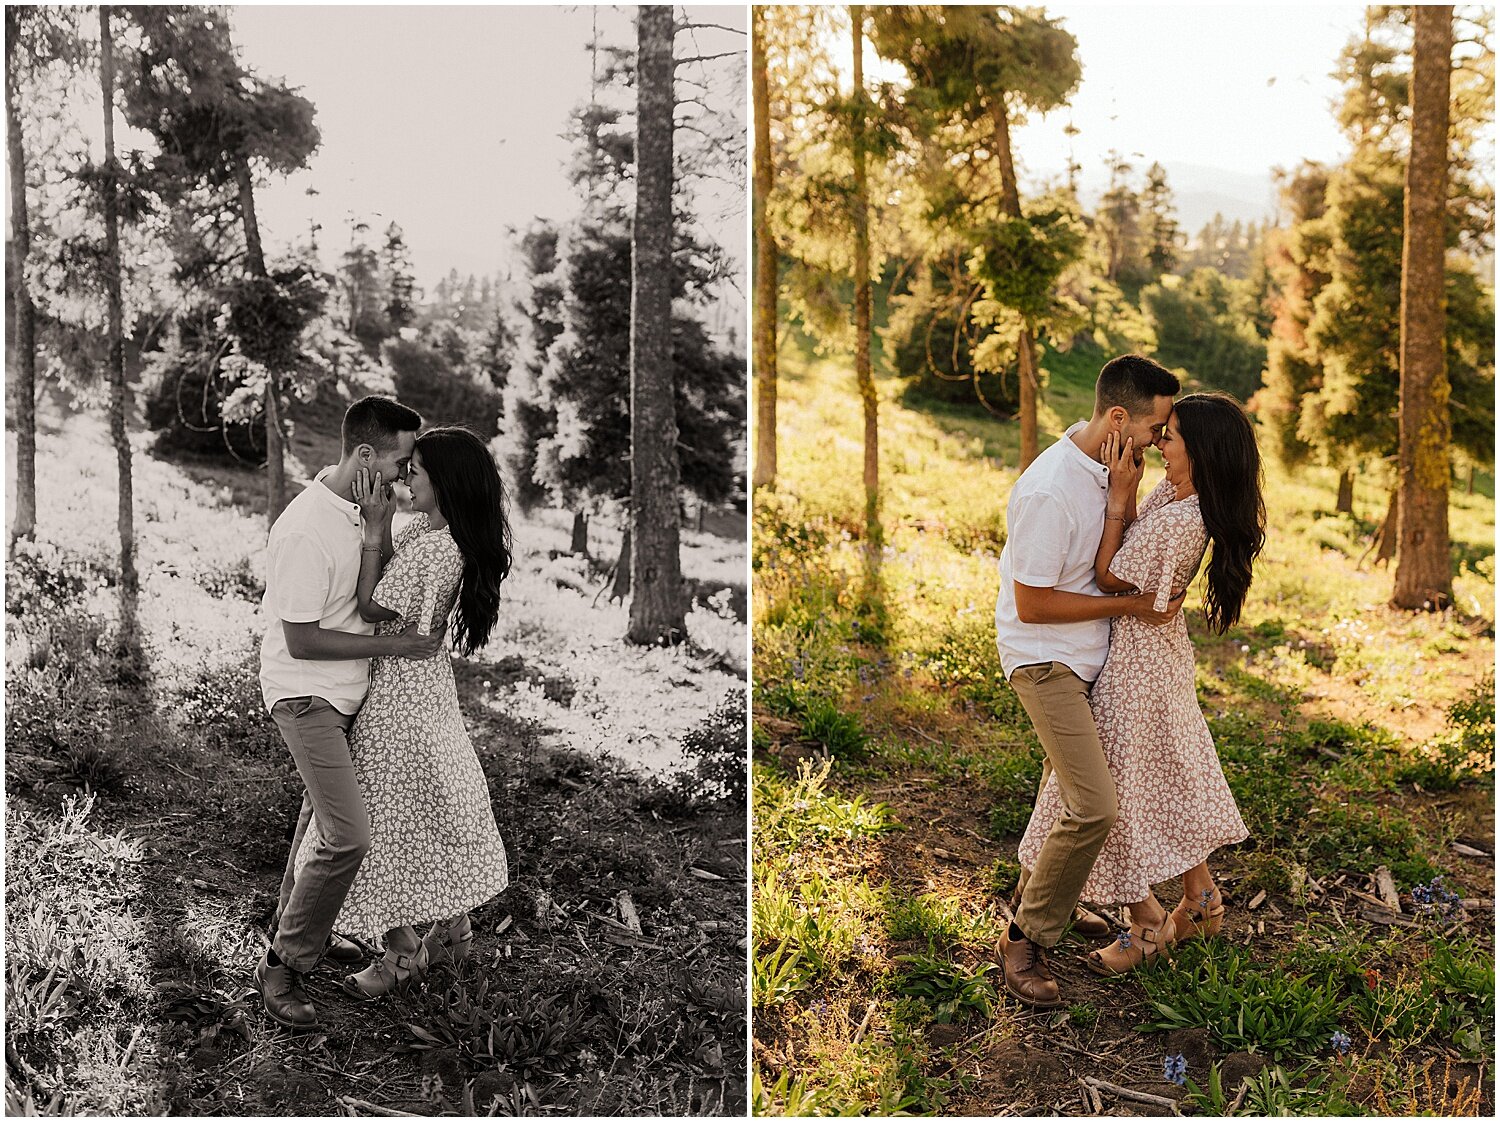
{"points": [[423, 497], [1174, 455]]}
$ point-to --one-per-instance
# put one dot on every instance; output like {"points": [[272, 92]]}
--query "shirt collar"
{"points": [[1098, 471], [349, 510]]}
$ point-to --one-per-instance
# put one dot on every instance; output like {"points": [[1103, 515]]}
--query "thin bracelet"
{"points": [[1114, 518], [371, 548]]}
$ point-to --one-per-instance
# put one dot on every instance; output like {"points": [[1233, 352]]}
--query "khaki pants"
{"points": [[1057, 701], [318, 736]]}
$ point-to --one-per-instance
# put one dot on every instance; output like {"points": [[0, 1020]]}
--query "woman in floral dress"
{"points": [[435, 851], [1175, 807]]}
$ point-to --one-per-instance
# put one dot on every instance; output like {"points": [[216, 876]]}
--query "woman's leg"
{"points": [[405, 958], [1202, 909], [1150, 933]]}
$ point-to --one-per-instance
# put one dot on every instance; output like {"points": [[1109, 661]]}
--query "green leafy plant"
{"points": [[953, 992], [1244, 1004]]}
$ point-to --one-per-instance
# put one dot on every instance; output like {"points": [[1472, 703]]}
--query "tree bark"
{"points": [[580, 539], [656, 604], [255, 260], [619, 587], [23, 525], [1424, 576], [1385, 547], [863, 373], [766, 250], [1010, 202], [1345, 503], [115, 331]]}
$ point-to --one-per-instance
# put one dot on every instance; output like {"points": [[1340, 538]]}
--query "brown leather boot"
{"points": [[1027, 976], [286, 1002]]}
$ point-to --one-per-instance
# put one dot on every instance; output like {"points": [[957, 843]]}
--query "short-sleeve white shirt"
{"points": [[312, 574], [1054, 520]]}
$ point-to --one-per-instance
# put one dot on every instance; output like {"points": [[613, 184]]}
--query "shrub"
{"points": [[427, 381], [715, 749]]}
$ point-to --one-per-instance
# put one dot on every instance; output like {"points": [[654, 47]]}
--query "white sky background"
{"points": [[450, 121], [1190, 86]]}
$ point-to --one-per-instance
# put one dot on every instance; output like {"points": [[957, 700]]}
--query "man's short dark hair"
{"points": [[1132, 382], [378, 421]]}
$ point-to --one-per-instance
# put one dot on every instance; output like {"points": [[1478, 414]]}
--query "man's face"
{"points": [[1146, 428], [392, 463]]}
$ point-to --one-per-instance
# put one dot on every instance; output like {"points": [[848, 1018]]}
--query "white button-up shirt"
{"points": [[1054, 520]]}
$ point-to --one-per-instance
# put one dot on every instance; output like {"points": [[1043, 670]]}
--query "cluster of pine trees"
{"points": [[593, 369], [904, 195]]}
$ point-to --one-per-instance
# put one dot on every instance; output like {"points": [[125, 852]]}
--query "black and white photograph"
{"points": [[376, 598]]}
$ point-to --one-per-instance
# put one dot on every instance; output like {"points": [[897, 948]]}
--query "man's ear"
{"points": [[364, 453], [1117, 417]]}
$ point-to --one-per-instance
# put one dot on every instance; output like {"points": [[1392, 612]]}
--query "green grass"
{"points": [[1336, 720]]}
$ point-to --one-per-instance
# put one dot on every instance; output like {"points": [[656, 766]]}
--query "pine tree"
{"points": [[1424, 576]]}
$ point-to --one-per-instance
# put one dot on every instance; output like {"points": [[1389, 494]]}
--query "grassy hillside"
{"points": [[150, 802], [895, 771]]}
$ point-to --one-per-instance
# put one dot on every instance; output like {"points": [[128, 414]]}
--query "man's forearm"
{"points": [[321, 644], [1051, 605]]}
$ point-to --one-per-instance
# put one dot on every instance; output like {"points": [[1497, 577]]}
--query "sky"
{"points": [[1218, 93], [449, 120]]}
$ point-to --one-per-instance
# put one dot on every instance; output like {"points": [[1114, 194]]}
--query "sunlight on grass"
{"points": [[1334, 717]]}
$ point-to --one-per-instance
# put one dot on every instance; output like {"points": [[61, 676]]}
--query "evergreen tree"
{"points": [[1424, 573], [975, 72], [400, 284], [1161, 233]]}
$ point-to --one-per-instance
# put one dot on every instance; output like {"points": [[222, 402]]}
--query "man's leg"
{"points": [[317, 735], [1057, 702], [288, 878]]}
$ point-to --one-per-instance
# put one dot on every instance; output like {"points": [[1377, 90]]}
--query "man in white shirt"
{"points": [[314, 671], [1052, 628]]}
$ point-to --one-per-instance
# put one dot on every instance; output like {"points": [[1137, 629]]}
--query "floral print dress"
{"points": [[435, 850], [1175, 805]]}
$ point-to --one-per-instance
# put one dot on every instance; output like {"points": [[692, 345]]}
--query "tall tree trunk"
{"points": [[765, 261], [23, 525], [656, 603], [580, 537], [1345, 503], [1010, 202], [1424, 575], [255, 260], [1385, 538], [863, 373], [125, 517]]}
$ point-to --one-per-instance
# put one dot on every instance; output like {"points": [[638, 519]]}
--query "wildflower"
{"points": [[1174, 1068], [1124, 938], [1340, 1042], [798, 670]]}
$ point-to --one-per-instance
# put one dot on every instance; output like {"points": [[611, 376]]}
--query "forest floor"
{"points": [[895, 771], [150, 803]]}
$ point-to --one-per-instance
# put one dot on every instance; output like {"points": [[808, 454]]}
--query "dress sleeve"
{"points": [[420, 581], [1155, 545]]}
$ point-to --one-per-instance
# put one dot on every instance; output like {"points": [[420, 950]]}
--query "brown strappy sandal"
{"points": [[1141, 946], [1202, 920]]}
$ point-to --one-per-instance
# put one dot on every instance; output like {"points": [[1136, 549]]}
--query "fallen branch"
{"points": [[1134, 1096], [353, 1105], [1385, 884]]}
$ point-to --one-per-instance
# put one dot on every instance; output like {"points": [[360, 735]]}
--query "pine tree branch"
{"points": [[676, 62], [710, 26]]}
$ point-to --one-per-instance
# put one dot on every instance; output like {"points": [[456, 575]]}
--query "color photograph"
{"points": [[1123, 560]]}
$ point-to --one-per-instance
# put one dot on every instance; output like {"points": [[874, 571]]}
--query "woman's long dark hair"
{"points": [[472, 498], [1227, 476]]}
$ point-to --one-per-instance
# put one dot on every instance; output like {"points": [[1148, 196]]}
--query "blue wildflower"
{"points": [[1340, 1042], [1175, 1069], [1124, 938]]}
